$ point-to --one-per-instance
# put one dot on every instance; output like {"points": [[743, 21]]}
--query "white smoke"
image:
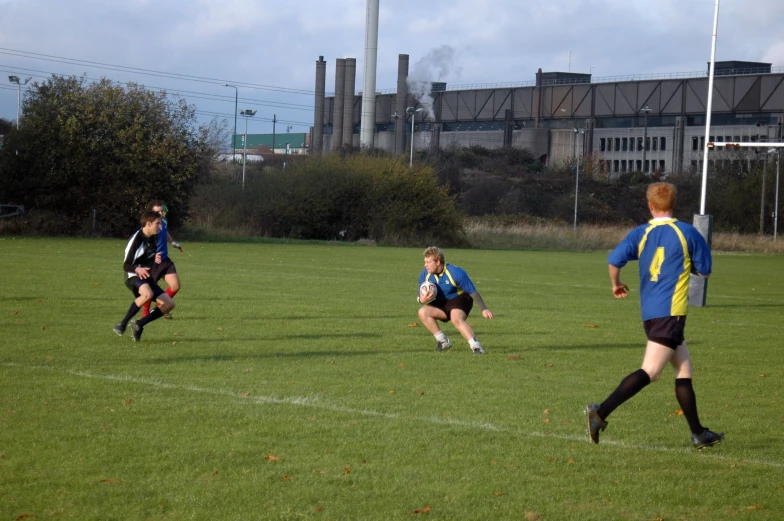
{"points": [[435, 66]]}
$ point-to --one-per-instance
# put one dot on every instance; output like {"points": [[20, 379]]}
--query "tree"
{"points": [[102, 146]]}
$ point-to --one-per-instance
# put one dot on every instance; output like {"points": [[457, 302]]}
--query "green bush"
{"points": [[336, 197]]}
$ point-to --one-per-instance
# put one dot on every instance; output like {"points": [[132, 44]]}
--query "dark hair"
{"points": [[149, 216], [155, 202]]}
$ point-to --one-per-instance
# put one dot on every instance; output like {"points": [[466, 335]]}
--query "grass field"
{"points": [[295, 383]]}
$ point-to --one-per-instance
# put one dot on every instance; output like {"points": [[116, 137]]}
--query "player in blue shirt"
{"points": [[454, 297], [166, 269], [668, 251]]}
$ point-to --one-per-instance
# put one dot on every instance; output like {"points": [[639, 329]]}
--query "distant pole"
{"points": [[274, 120], [576, 191], [244, 152], [646, 110], [776, 207], [234, 136], [411, 158]]}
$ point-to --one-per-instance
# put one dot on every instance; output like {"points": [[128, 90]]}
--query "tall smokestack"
{"points": [[337, 109], [400, 103], [367, 126], [317, 144], [348, 101]]}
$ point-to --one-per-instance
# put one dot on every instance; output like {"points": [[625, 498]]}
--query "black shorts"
{"points": [[667, 331], [134, 283], [166, 267], [462, 302]]}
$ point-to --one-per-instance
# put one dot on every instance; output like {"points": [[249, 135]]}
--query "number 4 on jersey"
{"points": [[656, 264]]}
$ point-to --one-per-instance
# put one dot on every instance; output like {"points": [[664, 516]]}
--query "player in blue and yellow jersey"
{"points": [[166, 269], [141, 257], [668, 251], [454, 298]]}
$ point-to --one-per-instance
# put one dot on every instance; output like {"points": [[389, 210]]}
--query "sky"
{"points": [[269, 49]]}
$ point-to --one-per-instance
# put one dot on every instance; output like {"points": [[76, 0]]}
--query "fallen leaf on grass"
{"points": [[413, 324], [532, 516], [402, 364], [546, 411], [498, 493], [424, 510], [571, 461], [422, 393], [391, 392], [111, 480], [553, 460], [513, 357], [220, 329], [272, 458], [129, 401], [22, 516], [679, 412], [592, 326], [15, 313], [546, 420], [174, 343], [43, 328], [347, 471], [754, 507], [215, 473], [245, 394], [762, 375], [285, 478], [319, 508]]}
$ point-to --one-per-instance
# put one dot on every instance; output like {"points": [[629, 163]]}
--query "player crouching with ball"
{"points": [[448, 294]]}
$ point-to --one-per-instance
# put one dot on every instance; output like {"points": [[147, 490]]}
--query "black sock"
{"points": [[131, 312], [154, 315], [628, 387], [684, 392]]}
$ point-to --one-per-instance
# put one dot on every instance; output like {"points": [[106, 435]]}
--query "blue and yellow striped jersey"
{"points": [[453, 281], [668, 250]]}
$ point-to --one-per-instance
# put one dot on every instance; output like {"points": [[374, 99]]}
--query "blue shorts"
{"points": [[134, 283]]}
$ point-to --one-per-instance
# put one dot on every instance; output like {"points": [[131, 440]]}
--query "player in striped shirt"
{"points": [[140, 257]]}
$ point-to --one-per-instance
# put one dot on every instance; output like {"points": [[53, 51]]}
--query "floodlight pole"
{"points": [[19, 83], [248, 114], [776, 207]]}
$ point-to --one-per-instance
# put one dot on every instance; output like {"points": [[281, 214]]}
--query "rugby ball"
{"points": [[427, 292]]}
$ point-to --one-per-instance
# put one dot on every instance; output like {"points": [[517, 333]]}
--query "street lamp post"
{"points": [[234, 137], [577, 176], [776, 197], [413, 112], [646, 110], [394, 149], [19, 83], [248, 114], [274, 121]]}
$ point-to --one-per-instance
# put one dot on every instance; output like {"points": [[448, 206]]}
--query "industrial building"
{"points": [[642, 123]]}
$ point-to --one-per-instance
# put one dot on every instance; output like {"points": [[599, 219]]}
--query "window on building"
{"points": [[631, 144], [710, 138], [624, 144], [623, 166], [646, 169], [736, 139], [639, 164], [695, 143], [639, 143], [745, 139], [661, 164], [647, 143], [602, 145], [617, 143], [654, 143], [694, 165], [615, 166], [702, 142], [663, 143]]}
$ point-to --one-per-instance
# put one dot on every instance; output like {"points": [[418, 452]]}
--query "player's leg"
{"points": [[429, 316], [459, 319], [143, 295], [687, 399], [173, 282]]}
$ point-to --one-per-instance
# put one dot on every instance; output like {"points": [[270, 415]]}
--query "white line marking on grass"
{"points": [[314, 402]]}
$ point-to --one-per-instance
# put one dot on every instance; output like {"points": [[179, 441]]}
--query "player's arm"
{"points": [[481, 303], [620, 290], [173, 242]]}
